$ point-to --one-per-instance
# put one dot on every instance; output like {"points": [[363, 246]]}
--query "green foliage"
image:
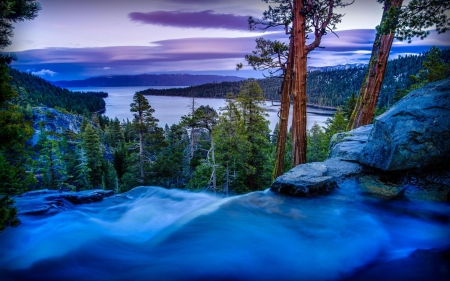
{"points": [[91, 147], [37, 91], [317, 148], [14, 131], [8, 213], [318, 138], [436, 66], [419, 16]]}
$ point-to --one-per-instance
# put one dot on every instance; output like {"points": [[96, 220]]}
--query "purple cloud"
{"points": [[203, 19], [213, 55]]}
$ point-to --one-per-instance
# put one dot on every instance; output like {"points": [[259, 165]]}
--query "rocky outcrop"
{"points": [[55, 123], [414, 133], [45, 202], [315, 178], [348, 145], [405, 154]]}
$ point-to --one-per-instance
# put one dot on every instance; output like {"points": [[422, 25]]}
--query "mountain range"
{"points": [[147, 80]]}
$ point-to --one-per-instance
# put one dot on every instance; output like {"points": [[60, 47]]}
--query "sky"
{"points": [[77, 39]]}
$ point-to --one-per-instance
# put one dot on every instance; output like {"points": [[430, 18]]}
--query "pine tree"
{"points": [[150, 136], [91, 146], [250, 102]]}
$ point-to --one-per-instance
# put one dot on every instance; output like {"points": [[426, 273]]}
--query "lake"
{"points": [[170, 109]]}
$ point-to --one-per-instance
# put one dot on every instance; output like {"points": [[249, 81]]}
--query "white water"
{"points": [[170, 109], [151, 233]]}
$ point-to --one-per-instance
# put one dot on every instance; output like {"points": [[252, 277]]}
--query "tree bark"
{"points": [[370, 89], [299, 86], [284, 118]]}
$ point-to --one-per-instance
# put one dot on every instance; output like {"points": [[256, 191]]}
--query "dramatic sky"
{"points": [[76, 39]]}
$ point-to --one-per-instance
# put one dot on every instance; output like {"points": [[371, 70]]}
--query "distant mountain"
{"points": [[337, 67], [147, 80]]}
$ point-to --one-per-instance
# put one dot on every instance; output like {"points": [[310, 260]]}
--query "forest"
{"points": [[35, 91], [324, 88]]}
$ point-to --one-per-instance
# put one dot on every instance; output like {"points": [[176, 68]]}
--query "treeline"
{"points": [[36, 91], [324, 88], [146, 80]]}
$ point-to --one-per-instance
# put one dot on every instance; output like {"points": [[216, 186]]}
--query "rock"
{"points": [[339, 169], [55, 122], [88, 196], [314, 178], [348, 145], [45, 202], [414, 133]]}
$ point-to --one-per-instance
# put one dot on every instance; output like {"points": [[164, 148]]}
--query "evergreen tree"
{"points": [[251, 102], [82, 180], [14, 131], [150, 136], [91, 146], [317, 144]]}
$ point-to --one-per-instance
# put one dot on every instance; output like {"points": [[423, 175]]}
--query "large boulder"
{"points": [[414, 133], [314, 178], [348, 145]]}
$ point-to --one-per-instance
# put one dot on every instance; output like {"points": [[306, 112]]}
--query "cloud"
{"points": [[190, 55], [203, 19], [44, 72]]}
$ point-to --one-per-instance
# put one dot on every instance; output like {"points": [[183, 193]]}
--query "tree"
{"points": [[402, 23], [94, 155], [14, 131], [144, 124], [205, 118], [255, 130], [299, 18]]}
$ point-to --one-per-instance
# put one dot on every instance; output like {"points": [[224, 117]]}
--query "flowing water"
{"points": [[170, 109], [151, 233]]}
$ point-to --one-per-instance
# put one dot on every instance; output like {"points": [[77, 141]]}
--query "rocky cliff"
{"points": [[405, 153]]}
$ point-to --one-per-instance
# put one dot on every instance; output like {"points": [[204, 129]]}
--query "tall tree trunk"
{"points": [[213, 159], [370, 89], [284, 118], [141, 149], [299, 86]]}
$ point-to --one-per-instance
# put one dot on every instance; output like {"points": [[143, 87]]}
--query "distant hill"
{"points": [[35, 91], [327, 86], [147, 80]]}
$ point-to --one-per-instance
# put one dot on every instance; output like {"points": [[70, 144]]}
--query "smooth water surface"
{"points": [[151, 233], [170, 109]]}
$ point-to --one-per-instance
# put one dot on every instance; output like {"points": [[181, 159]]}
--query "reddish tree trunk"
{"points": [[284, 118], [370, 89], [299, 86]]}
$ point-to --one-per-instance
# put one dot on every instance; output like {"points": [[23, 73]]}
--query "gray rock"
{"points": [[88, 196], [339, 169], [414, 133], [348, 145], [314, 178], [47, 202], [57, 123]]}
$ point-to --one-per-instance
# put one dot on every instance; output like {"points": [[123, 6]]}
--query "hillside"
{"points": [[147, 80], [36, 91], [324, 88]]}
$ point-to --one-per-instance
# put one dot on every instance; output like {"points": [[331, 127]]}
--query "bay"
{"points": [[170, 109]]}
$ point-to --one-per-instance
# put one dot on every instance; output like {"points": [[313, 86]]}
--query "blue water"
{"points": [[151, 233], [168, 110]]}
